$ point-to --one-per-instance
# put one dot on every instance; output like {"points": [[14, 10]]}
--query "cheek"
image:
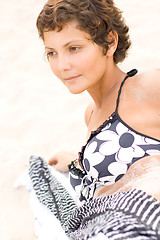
{"points": [[54, 68], [86, 64], [95, 67]]}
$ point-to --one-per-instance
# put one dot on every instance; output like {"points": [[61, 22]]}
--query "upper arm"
{"points": [[157, 83], [154, 88], [155, 79]]}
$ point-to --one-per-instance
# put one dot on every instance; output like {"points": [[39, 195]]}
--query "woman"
{"points": [[84, 41]]}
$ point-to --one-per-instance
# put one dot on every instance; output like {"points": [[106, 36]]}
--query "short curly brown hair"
{"points": [[96, 17]]}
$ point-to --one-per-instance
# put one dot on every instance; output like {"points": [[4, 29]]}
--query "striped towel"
{"points": [[126, 215]]}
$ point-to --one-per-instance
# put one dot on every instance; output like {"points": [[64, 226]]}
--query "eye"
{"points": [[74, 49], [50, 55]]}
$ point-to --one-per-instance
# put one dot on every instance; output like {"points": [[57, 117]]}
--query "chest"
{"points": [[142, 118], [114, 148]]}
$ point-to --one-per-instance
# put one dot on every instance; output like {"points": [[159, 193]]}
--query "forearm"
{"points": [[143, 175]]}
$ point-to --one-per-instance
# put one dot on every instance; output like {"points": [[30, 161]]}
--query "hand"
{"points": [[61, 160]]}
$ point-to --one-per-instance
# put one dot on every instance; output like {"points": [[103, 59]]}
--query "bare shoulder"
{"points": [[149, 81], [88, 112]]}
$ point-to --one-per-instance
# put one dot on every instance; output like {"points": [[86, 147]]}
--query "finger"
{"points": [[52, 162]]}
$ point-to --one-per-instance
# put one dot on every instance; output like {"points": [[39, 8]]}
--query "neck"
{"points": [[107, 87]]}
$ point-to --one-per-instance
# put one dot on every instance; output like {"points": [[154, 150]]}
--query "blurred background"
{"points": [[38, 116]]}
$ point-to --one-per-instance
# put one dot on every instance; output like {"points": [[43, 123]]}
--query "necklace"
{"points": [[90, 117]]}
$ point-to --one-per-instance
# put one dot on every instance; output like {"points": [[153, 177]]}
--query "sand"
{"points": [[38, 116]]}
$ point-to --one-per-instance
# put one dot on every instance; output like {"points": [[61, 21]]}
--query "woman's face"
{"points": [[76, 60]]}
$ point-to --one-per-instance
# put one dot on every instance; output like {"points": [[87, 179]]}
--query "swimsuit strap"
{"points": [[129, 74]]}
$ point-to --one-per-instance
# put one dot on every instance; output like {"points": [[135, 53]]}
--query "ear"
{"points": [[113, 46]]}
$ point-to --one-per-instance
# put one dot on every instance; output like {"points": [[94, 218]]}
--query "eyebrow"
{"points": [[66, 44]]}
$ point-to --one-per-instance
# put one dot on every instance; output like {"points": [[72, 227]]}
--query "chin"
{"points": [[75, 91]]}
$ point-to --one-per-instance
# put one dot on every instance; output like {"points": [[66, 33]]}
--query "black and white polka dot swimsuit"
{"points": [[110, 151]]}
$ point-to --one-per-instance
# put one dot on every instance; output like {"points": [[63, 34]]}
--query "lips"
{"points": [[71, 78]]}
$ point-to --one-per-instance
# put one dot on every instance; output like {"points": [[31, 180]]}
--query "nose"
{"points": [[63, 63]]}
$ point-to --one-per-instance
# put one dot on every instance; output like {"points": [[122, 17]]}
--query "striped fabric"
{"points": [[50, 192], [127, 215]]}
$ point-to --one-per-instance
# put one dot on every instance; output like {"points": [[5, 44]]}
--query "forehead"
{"points": [[69, 33]]}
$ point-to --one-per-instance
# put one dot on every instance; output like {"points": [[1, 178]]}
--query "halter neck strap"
{"points": [[129, 74]]}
